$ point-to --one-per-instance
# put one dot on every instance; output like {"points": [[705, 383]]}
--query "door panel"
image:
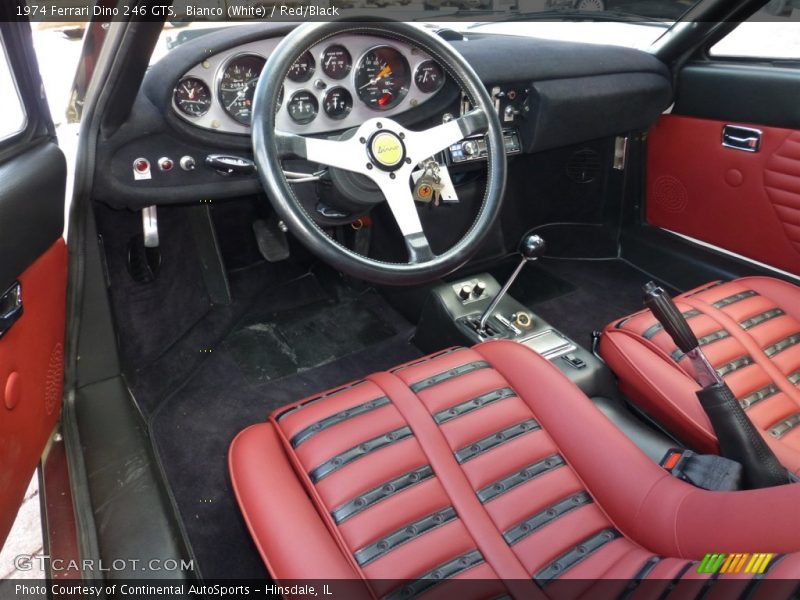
{"points": [[745, 202], [31, 376], [33, 255]]}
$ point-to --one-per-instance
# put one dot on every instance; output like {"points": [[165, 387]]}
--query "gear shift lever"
{"points": [[531, 247]]}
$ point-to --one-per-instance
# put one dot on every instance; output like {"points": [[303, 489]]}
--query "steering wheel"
{"points": [[382, 150]]}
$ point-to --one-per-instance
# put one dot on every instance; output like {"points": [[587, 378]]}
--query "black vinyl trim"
{"points": [[781, 345], [727, 301], [785, 426], [574, 556], [705, 289], [705, 340], [313, 429], [676, 580], [383, 491], [509, 482], [443, 416], [340, 460], [654, 329], [316, 399], [734, 365], [794, 378], [449, 374], [566, 505], [640, 576], [492, 441], [761, 318], [403, 535], [752, 586], [759, 395], [435, 576]]}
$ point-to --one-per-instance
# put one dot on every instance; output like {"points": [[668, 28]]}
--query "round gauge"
{"points": [[192, 97], [302, 107], [336, 62], [302, 69], [237, 85], [429, 77], [337, 103], [382, 78]]}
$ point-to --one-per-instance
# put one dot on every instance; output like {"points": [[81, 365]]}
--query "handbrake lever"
{"points": [[675, 324], [738, 438]]}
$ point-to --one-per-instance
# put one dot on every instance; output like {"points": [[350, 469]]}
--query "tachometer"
{"points": [[237, 84], [336, 61], [429, 77], [302, 69], [382, 78], [192, 97]]}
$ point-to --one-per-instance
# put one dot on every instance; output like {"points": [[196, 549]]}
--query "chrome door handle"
{"points": [[741, 138], [10, 307]]}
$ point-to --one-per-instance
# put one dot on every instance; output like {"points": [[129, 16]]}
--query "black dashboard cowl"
{"points": [[507, 58]]}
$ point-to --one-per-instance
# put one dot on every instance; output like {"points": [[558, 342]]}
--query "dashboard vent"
{"points": [[583, 166]]}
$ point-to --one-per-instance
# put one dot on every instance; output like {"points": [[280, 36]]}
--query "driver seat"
{"points": [[489, 464]]}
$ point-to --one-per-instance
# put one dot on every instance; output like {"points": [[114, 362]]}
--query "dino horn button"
{"points": [[386, 150]]}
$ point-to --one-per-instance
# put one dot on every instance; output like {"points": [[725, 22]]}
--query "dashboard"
{"points": [[185, 138], [334, 85]]}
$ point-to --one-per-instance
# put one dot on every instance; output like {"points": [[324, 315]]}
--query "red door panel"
{"points": [[745, 202], [31, 377]]}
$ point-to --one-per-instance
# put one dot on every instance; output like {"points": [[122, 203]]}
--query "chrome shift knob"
{"points": [[532, 247]]}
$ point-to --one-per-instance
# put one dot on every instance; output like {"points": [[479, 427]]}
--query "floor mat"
{"points": [[580, 296], [272, 357], [268, 347]]}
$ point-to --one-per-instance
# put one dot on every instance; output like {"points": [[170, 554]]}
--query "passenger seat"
{"points": [[749, 329]]}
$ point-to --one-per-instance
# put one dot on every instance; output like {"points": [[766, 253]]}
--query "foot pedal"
{"points": [[271, 240], [143, 262]]}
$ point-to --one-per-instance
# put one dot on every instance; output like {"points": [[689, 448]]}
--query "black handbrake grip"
{"points": [[671, 319]]}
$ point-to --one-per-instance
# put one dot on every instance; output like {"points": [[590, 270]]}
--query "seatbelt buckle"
{"points": [[705, 471], [671, 459]]}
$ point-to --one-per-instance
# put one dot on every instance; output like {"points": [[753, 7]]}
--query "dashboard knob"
{"points": [[470, 147], [478, 288], [465, 292], [187, 163]]}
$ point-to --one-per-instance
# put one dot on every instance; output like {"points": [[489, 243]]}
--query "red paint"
{"points": [[745, 202]]}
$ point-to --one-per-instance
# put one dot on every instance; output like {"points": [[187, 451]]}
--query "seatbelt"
{"points": [[706, 471]]}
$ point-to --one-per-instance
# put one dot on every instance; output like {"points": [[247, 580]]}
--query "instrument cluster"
{"points": [[334, 85]]}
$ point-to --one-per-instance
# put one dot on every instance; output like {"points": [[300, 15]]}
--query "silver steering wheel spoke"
{"points": [[343, 154], [398, 196], [387, 153]]}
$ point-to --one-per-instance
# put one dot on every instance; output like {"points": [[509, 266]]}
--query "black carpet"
{"points": [[580, 296], [300, 339]]}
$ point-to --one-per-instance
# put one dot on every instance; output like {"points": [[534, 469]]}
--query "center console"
{"points": [[451, 316]]}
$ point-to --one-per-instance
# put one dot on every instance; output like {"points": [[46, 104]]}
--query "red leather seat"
{"points": [[486, 464], [750, 330]]}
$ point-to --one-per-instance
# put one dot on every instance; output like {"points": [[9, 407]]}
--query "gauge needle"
{"points": [[387, 70]]}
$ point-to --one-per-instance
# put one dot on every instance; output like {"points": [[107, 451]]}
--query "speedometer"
{"points": [[237, 85], [382, 78]]}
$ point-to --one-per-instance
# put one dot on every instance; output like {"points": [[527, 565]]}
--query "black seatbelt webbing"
{"points": [[705, 471]]}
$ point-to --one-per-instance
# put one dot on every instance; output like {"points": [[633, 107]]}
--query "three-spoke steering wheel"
{"points": [[381, 149]]}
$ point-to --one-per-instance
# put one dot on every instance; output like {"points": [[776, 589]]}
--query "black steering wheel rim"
{"points": [[269, 146]]}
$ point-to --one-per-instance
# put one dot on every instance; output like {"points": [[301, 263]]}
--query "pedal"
{"points": [[271, 239], [143, 262]]}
